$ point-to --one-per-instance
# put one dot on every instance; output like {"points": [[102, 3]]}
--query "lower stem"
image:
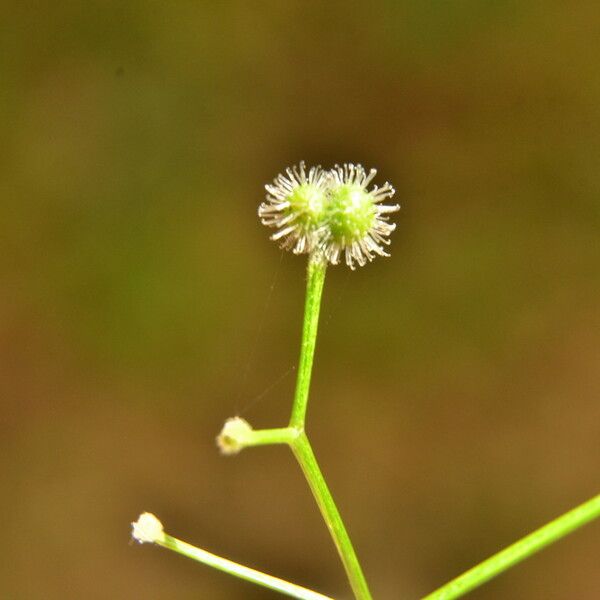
{"points": [[515, 553], [306, 458]]}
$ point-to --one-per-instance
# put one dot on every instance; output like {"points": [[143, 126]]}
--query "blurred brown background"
{"points": [[455, 397]]}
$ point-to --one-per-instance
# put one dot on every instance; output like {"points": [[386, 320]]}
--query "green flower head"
{"points": [[296, 205], [331, 212]]}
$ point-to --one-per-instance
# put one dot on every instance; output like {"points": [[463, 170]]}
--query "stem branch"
{"points": [[240, 571], [265, 437], [525, 547]]}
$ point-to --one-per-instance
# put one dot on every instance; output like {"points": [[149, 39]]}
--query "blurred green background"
{"points": [[455, 396]]}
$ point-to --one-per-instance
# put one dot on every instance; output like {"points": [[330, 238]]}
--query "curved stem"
{"points": [[525, 547], [240, 571], [306, 458]]}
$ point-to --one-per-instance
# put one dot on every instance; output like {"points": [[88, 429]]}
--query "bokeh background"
{"points": [[455, 396]]}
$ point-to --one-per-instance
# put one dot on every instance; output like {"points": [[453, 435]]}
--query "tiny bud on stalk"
{"points": [[233, 436], [147, 529]]}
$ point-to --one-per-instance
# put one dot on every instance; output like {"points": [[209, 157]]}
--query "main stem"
{"points": [[525, 547], [306, 457], [300, 444]]}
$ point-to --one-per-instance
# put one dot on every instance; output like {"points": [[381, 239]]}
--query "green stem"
{"points": [[300, 444], [237, 570], [314, 291], [525, 547], [306, 457], [264, 437]]}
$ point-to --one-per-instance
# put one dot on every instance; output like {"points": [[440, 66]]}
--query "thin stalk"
{"points": [[525, 547], [237, 570], [265, 437], [308, 462], [314, 291], [301, 446]]}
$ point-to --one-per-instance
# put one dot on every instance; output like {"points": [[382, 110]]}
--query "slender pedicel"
{"points": [[148, 529]]}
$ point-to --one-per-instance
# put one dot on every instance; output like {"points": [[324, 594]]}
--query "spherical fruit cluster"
{"points": [[330, 212]]}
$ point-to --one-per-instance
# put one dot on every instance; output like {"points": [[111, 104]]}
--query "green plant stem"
{"points": [[237, 570], [264, 437], [525, 547], [300, 444], [314, 291], [306, 458]]}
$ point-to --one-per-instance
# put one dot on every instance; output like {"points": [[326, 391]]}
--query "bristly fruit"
{"points": [[330, 212], [295, 205]]}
